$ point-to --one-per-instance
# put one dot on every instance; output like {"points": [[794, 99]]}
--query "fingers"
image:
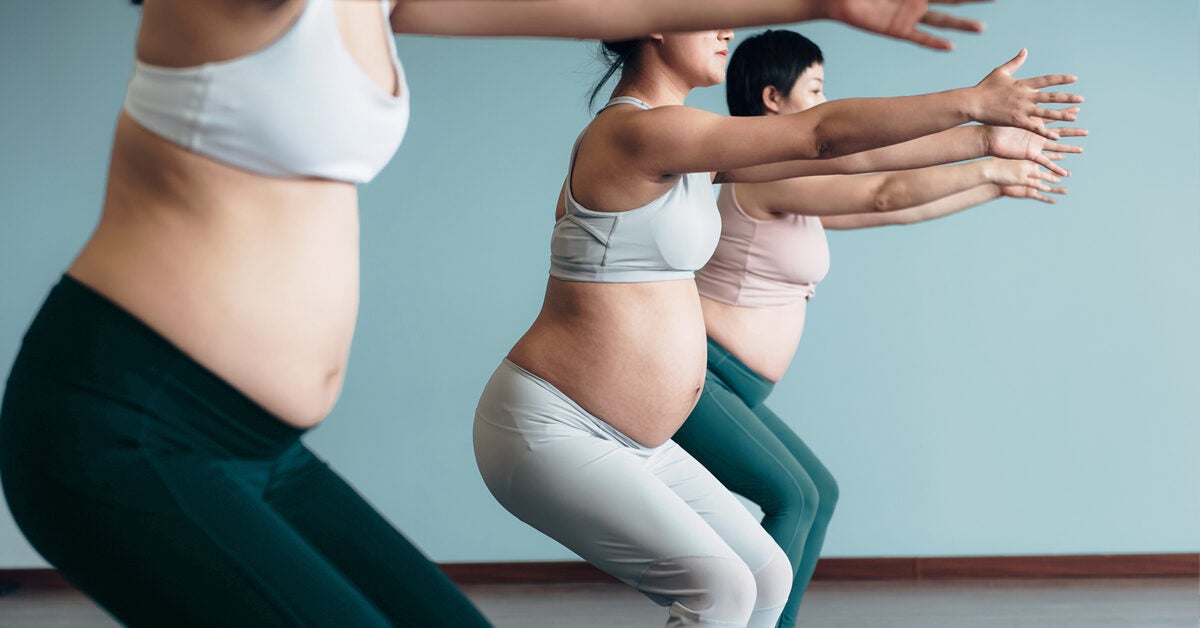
{"points": [[1013, 64], [1046, 199], [938, 19], [1062, 148], [1070, 131], [1047, 163], [1045, 176], [927, 40], [1046, 80], [1074, 110], [1058, 97], [1036, 193], [1052, 115], [1044, 131]]}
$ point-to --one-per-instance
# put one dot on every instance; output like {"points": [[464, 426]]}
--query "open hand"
{"points": [[899, 19], [1012, 143], [1008, 101], [1021, 191], [1021, 178]]}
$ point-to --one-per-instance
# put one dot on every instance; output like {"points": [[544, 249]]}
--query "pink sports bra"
{"points": [[763, 263]]}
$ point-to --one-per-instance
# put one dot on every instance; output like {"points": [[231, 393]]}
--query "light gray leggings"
{"points": [[653, 517]]}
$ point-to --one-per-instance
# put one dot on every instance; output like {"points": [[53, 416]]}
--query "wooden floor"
{"points": [[1058, 603]]}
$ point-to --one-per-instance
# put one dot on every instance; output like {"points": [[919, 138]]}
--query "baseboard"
{"points": [[915, 568]]}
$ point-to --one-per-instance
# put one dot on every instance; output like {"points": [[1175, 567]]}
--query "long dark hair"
{"points": [[616, 54], [773, 57]]}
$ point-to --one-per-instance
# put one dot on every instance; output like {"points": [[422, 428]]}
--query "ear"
{"points": [[772, 99]]}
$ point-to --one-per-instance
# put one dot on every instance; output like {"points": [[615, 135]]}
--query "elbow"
{"points": [[819, 143], [812, 148], [887, 198]]}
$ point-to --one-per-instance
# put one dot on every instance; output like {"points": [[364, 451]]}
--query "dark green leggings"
{"points": [[754, 454], [173, 500]]}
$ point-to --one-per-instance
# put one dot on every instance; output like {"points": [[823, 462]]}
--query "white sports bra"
{"points": [[300, 107], [667, 238]]}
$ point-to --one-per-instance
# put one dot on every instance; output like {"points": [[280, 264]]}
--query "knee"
{"points": [[798, 499], [704, 589], [827, 489], [773, 582]]}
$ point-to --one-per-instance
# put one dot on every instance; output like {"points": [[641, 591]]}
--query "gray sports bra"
{"points": [[668, 238]]}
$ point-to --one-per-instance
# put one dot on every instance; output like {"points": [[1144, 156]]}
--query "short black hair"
{"points": [[772, 57]]}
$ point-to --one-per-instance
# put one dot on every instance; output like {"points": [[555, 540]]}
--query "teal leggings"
{"points": [[754, 453], [173, 500]]}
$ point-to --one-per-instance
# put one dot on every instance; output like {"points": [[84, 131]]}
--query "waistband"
{"points": [[570, 413], [745, 383], [82, 338]]}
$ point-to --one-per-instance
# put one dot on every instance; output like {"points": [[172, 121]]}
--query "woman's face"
{"points": [[808, 91], [698, 57]]}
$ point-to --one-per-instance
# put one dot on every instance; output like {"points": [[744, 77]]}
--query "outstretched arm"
{"points": [[835, 195], [849, 126], [623, 19], [946, 147], [942, 207], [671, 140]]}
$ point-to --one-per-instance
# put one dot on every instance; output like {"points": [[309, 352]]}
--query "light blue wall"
{"points": [[1017, 379]]}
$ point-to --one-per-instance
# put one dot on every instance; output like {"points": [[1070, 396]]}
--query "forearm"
{"points": [[853, 125], [871, 134], [593, 19], [944, 147], [928, 211], [906, 189]]}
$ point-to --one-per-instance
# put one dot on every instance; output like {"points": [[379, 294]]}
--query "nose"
{"points": [[725, 35]]}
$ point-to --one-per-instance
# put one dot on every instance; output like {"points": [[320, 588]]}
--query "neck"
{"points": [[655, 85]]}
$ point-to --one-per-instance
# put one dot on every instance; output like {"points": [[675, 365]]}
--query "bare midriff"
{"points": [[763, 338], [255, 278], [632, 354]]}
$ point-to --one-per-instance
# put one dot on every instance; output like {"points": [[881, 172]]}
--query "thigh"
{"points": [[408, 588], [157, 537], [720, 510], [732, 441], [596, 497], [799, 451]]}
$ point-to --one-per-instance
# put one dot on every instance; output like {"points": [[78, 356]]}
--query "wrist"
{"points": [[822, 10], [988, 172], [967, 104], [983, 140]]}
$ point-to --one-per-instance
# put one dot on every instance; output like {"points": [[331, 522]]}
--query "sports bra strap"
{"points": [[624, 100], [617, 100]]}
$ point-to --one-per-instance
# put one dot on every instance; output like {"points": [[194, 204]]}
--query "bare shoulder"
{"points": [[183, 33], [753, 198], [617, 165]]}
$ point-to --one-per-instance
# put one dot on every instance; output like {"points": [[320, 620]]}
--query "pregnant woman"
{"points": [[772, 252], [572, 432]]}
